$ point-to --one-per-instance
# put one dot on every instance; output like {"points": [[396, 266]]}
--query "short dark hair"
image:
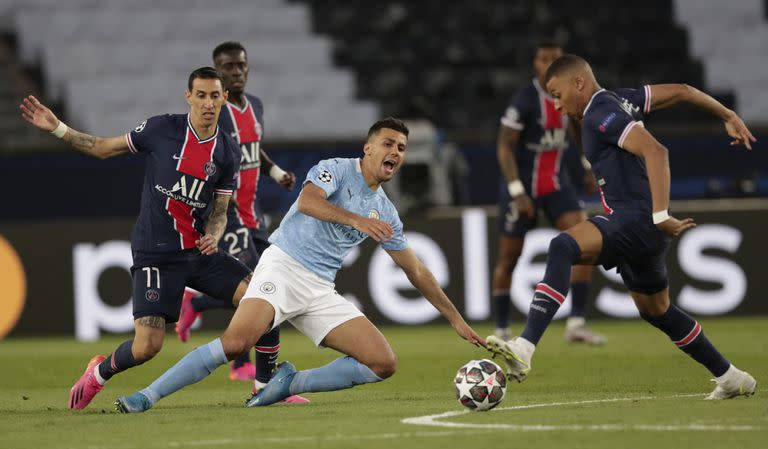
{"points": [[206, 73], [563, 64], [228, 47], [389, 123]]}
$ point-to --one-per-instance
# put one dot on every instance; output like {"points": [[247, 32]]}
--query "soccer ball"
{"points": [[480, 385]]}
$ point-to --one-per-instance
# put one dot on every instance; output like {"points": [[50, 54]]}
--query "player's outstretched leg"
{"points": [[548, 296], [340, 374], [687, 334]]}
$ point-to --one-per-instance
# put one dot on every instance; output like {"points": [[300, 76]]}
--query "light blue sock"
{"points": [[340, 374], [194, 367]]}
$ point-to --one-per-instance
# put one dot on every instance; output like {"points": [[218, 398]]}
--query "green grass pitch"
{"points": [[638, 391]]}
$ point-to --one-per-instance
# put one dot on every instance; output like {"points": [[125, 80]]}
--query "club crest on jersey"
{"points": [[152, 295], [325, 176], [209, 168], [267, 287], [140, 127], [373, 214]]}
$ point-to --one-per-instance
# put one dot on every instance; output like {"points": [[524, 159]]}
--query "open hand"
{"points": [[736, 128], [524, 205], [37, 114], [674, 227], [378, 230]]}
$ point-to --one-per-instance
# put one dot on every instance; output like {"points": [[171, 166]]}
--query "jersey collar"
{"points": [[191, 128], [590, 101]]}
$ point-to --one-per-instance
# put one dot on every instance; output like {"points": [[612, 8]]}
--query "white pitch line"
{"points": [[432, 420]]}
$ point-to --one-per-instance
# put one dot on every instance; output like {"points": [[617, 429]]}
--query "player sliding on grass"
{"points": [[633, 235], [340, 205]]}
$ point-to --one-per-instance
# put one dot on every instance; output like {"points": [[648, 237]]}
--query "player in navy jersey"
{"points": [[340, 205], [533, 138], [633, 235], [242, 118], [190, 167]]}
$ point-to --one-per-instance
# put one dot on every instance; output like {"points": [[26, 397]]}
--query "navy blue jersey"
{"points": [[543, 139], [181, 175], [621, 176], [246, 126]]}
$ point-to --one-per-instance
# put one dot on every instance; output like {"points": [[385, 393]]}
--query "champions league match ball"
{"points": [[480, 385]]}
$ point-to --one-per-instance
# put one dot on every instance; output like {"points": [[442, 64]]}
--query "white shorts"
{"points": [[299, 296]]}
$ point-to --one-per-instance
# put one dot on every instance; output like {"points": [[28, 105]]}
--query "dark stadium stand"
{"points": [[459, 62]]}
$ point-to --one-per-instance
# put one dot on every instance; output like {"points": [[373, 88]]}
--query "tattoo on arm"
{"points": [[156, 322], [217, 221], [81, 141]]}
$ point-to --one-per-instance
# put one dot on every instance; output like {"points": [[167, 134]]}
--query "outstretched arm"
{"points": [[39, 115], [666, 95], [312, 202], [425, 282]]}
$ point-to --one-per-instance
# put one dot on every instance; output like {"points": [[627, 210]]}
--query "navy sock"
{"points": [[267, 350], [242, 359], [120, 360], [550, 293], [201, 303], [687, 334], [579, 291], [502, 301]]}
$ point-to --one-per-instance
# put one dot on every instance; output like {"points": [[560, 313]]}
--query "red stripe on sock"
{"points": [[691, 336], [551, 292], [268, 349]]}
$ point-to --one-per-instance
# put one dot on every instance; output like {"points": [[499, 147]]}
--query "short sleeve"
{"points": [[327, 175], [639, 98], [611, 124], [398, 242], [140, 139], [514, 116], [228, 180]]}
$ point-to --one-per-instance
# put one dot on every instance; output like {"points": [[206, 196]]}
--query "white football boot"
{"points": [[733, 383], [516, 354]]}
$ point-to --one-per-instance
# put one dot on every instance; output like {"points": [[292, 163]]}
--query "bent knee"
{"points": [[385, 367], [235, 345], [143, 351]]}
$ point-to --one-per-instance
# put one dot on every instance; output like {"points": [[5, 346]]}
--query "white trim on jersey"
{"points": [[647, 106], [215, 133], [175, 227], [223, 191], [590, 101], [625, 133], [129, 141]]}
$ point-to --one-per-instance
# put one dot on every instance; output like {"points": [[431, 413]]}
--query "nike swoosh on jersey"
{"points": [[178, 158]]}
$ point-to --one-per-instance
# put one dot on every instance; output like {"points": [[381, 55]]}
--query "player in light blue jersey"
{"points": [[340, 205]]}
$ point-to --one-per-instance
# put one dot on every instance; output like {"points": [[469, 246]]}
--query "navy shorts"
{"points": [[554, 206], [159, 280], [636, 247]]}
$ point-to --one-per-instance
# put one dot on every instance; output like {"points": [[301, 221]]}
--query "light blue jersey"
{"points": [[320, 245]]}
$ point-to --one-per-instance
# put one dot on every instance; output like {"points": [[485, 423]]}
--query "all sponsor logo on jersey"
{"points": [[209, 168], [267, 287], [251, 156], [185, 191], [551, 139], [325, 176]]}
